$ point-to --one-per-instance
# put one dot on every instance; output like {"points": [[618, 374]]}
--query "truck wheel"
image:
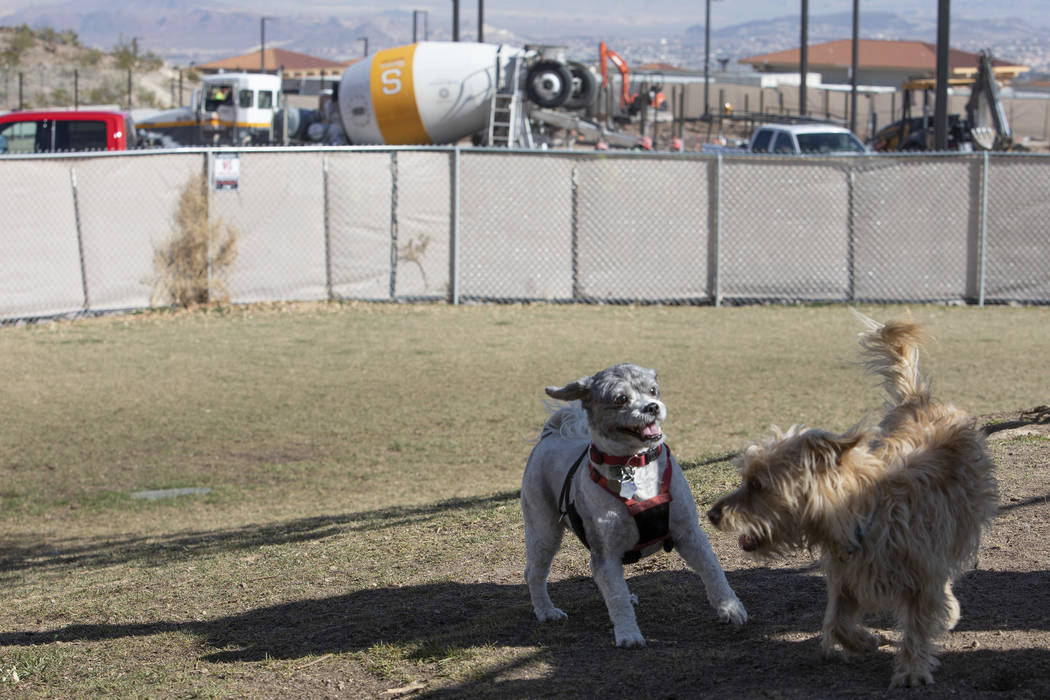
{"points": [[548, 84], [584, 86]]}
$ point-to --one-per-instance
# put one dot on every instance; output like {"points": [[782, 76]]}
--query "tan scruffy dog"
{"points": [[896, 512]]}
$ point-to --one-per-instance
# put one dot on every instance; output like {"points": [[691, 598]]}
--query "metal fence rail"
{"points": [[81, 232]]}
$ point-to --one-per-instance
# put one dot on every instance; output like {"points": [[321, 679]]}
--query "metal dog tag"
{"points": [[628, 489]]}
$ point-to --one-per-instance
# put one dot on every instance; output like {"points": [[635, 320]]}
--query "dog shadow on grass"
{"points": [[161, 550], [689, 652]]}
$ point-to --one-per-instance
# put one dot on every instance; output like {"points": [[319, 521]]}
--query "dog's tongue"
{"points": [[651, 431]]}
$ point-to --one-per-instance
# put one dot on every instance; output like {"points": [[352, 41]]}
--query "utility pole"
{"points": [[707, 58], [940, 108], [262, 43], [803, 67], [415, 25], [481, 20], [455, 20], [853, 70]]}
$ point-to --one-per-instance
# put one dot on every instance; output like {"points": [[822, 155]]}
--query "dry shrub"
{"points": [[191, 267], [413, 251]]}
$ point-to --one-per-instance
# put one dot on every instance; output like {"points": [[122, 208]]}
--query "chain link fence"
{"points": [[83, 232], [67, 86]]}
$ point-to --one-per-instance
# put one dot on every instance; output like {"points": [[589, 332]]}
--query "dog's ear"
{"points": [[578, 390], [845, 443], [829, 448]]}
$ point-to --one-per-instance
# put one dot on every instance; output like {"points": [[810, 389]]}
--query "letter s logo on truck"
{"points": [[391, 79]]}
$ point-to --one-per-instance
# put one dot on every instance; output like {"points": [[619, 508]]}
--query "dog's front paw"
{"points": [[551, 615], [903, 678], [629, 638], [731, 610], [914, 671]]}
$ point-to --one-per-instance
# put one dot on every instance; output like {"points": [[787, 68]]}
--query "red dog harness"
{"points": [[652, 516]]}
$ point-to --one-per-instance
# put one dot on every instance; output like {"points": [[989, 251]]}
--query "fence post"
{"points": [[393, 225], [575, 233], [453, 248], [982, 231], [209, 164], [327, 229], [851, 218], [716, 242], [80, 238]]}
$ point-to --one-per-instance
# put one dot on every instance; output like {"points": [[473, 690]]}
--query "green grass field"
{"points": [[363, 463]]}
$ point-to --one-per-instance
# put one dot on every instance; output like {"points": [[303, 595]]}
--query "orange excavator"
{"points": [[632, 103]]}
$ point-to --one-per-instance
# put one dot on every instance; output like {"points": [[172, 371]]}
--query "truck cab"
{"points": [[237, 108]]}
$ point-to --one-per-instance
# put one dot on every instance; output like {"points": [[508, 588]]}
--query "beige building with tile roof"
{"points": [[291, 63], [879, 62]]}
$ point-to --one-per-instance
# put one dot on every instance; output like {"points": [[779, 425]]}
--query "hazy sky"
{"points": [[572, 16], [628, 12], [724, 12]]}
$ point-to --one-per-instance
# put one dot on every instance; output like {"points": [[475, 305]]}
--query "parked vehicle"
{"points": [[423, 93], [50, 131], [804, 139], [916, 134], [227, 109], [984, 126]]}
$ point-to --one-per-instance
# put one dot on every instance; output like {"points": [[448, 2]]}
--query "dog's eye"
{"points": [[620, 399], [653, 391], [754, 485]]}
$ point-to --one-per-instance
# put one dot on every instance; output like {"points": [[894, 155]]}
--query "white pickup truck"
{"points": [[798, 139], [805, 139]]}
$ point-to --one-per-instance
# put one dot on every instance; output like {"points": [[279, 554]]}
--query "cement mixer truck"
{"points": [[443, 92]]}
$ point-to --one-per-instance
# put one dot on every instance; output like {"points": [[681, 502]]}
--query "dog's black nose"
{"points": [[652, 409], [715, 514]]}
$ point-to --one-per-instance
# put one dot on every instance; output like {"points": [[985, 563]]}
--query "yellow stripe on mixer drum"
{"points": [[394, 97]]}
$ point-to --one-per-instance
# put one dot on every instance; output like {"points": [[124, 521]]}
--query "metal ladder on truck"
{"points": [[508, 127]]}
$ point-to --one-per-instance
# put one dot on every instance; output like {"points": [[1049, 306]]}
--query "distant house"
{"points": [[290, 63], [879, 62]]}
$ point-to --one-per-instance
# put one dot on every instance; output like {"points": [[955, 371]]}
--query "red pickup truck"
{"points": [[51, 131]]}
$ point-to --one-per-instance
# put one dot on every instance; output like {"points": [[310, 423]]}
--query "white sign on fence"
{"points": [[227, 171]]}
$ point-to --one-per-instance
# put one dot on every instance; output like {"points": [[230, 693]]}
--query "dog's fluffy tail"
{"points": [[891, 351], [567, 421]]}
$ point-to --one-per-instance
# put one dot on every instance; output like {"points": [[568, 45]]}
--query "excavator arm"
{"points": [[984, 110], [605, 55]]}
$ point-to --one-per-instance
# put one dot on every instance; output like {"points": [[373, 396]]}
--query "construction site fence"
{"points": [[725, 101], [93, 233]]}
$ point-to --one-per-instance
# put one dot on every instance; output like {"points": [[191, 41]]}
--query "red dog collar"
{"points": [[638, 460]]}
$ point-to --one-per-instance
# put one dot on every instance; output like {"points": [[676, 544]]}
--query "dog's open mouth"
{"points": [[649, 433], [749, 543]]}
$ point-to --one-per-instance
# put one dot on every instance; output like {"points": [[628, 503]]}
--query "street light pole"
{"points": [[455, 20]]}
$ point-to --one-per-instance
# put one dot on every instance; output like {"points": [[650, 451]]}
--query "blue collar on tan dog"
{"points": [[845, 552]]}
